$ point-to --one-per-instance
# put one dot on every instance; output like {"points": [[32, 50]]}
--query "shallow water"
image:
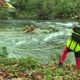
{"points": [[48, 38]]}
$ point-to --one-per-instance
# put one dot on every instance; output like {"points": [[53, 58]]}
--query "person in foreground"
{"points": [[72, 44]]}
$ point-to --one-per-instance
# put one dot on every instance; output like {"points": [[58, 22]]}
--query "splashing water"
{"points": [[41, 43]]}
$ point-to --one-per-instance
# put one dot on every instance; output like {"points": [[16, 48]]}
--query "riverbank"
{"points": [[29, 68], [42, 10]]}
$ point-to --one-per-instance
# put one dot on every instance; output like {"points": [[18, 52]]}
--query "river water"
{"points": [[46, 41]]}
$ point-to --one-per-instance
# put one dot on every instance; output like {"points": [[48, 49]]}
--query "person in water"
{"points": [[72, 44], [30, 28]]}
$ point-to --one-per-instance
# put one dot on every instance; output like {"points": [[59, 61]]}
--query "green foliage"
{"points": [[3, 13], [4, 53], [24, 68], [29, 62], [48, 73], [65, 8], [43, 9]]}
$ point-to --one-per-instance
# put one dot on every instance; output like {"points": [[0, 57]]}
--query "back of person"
{"points": [[74, 41]]}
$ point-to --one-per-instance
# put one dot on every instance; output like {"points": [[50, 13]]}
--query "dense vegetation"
{"points": [[42, 9], [29, 68]]}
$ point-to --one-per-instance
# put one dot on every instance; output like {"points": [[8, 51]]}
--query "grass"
{"points": [[31, 69]]}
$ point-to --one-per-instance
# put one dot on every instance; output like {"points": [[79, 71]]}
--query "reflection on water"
{"points": [[48, 38]]}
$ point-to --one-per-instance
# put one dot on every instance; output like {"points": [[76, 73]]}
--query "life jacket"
{"points": [[74, 41]]}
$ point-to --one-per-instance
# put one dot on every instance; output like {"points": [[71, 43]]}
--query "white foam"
{"points": [[50, 36], [34, 40], [65, 24], [21, 42]]}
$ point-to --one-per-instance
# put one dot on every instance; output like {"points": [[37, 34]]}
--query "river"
{"points": [[47, 40]]}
